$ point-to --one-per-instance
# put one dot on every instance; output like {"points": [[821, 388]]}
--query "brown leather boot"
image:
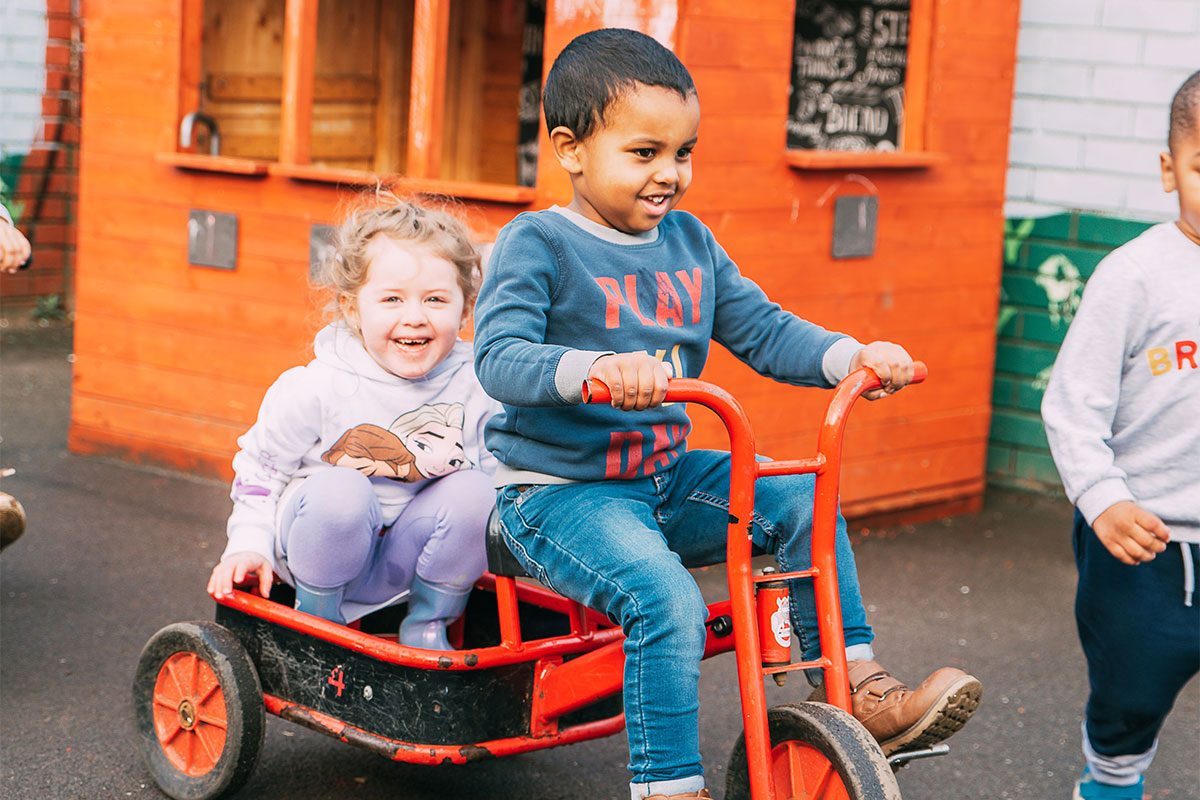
{"points": [[700, 795], [908, 719]]}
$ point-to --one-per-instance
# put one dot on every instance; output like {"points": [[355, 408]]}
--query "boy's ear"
{"points": [[566, 149], [1168, 172]]}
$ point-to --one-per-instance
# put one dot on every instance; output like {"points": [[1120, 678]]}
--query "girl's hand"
{"points": [[637, 381], [890, 362], [235, 570], [1131, 533]]}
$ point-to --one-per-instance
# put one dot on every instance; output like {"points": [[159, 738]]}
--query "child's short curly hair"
{"points": [[597, 68], [1185, 111], [404, 223]]}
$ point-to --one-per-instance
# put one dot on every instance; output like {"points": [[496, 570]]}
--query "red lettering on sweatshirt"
{"points": [[1185, 351], [624, 447], [669, 308], [694, 288], [613, 300]]}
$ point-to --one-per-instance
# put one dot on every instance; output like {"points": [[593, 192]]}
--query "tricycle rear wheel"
{"points": [[818, 752], [199, 709]]}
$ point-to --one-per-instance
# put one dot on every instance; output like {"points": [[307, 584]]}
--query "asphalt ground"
{"points": [[114, 552]]}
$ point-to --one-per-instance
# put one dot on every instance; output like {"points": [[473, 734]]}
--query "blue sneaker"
{"points": [[1088, 788]]}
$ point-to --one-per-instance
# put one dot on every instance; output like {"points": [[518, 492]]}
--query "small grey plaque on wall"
{"points": [[320, 247], [212, 239], [854, 225]]}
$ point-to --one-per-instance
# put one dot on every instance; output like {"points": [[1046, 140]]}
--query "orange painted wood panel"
{"points": [[208, 395], [151, 435], [253, 361]]}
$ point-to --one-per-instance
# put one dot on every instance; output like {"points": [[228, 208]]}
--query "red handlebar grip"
{"points": [[600, 394]]}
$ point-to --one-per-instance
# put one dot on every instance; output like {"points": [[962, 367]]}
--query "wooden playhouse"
{"points": [[851, 160]]}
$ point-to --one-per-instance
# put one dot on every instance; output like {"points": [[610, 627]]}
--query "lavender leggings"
{"points": [[332, 534]]}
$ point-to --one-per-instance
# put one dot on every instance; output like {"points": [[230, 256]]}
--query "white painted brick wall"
{"points": [[1093, 84], [22, 73]]}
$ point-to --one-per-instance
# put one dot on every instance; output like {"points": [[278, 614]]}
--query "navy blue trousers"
{"points": [[1141, 641]]}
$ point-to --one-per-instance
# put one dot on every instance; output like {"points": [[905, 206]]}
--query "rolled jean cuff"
{"points": [[639, 791]]}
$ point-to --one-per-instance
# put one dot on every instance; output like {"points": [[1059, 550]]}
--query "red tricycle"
{"points": [[532, 669]]}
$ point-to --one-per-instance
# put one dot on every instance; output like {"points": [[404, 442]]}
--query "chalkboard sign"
{"points": [[848, 67]]}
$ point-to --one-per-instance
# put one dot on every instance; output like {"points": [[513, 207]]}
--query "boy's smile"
{"points": [[637, 164]]}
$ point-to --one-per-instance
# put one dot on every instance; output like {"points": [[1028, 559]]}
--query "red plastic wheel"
{"points": [[199, 709], [818, 752], [189, 714], [803, 773]]}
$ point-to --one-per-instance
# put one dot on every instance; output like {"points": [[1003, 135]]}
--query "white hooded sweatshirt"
{"points": [[344, 409]]}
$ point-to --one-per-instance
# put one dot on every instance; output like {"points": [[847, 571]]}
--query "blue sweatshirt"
{"points": [[561, 291]]}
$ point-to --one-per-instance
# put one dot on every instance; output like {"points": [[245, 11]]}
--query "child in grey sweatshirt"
{"points": [[1122, 414]]}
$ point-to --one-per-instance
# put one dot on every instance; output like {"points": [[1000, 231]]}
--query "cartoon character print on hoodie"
{"points": [[424, 443]]}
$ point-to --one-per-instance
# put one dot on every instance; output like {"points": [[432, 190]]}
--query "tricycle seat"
{"points": [[500, 559]]}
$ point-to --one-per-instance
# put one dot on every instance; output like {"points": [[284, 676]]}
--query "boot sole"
{"points": [[943, 719]]}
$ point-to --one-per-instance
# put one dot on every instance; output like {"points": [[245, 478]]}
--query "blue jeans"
{"points": [[623, 548]]}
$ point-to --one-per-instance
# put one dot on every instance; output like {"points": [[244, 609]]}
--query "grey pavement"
{"points": [[114, 552]]}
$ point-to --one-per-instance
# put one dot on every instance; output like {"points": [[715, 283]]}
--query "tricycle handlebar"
{"points": [[692, 390]]}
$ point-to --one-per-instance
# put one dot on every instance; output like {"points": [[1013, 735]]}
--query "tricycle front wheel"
{"points": [[199, 709], [818, 752]]}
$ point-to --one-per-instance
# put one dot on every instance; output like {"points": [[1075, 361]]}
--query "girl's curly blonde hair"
{"points": [[403, 222]]}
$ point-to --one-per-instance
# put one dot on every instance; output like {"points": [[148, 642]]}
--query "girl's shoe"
{"points": [[700, 795], [1088, 788], [431, 606], [323, 603]]}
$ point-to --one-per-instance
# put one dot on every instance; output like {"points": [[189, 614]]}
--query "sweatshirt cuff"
{"points": [[251, 540], [835, 364], [572, 371], [1096, 500]]}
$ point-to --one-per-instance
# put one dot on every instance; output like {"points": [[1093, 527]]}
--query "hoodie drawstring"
{"points": [[1189, 574]]}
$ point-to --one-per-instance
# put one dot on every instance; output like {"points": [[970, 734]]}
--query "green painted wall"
{"points": [[1047, 262]]}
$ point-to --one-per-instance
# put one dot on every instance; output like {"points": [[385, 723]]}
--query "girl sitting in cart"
{"points": [[365, 480]]}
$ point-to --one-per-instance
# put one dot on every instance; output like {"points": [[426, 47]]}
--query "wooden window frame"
{"points": [[912, 154], [431, 21]]}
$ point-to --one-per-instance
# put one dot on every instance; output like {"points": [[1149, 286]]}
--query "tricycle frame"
{"points": [[561, 680]]}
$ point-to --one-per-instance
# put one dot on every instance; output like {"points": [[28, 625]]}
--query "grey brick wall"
{"points": [[1093, 82]]}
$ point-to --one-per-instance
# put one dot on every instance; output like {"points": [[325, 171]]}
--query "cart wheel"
{"points": [[818, 752], [199, 710]]}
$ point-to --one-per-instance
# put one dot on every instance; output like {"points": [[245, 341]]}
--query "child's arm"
{"points": [[512, 360], [780, 345], [269, 455], [1080, 406]]}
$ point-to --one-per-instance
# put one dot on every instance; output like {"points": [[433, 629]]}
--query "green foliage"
{"points": [[14, 209], [48, 308]]}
